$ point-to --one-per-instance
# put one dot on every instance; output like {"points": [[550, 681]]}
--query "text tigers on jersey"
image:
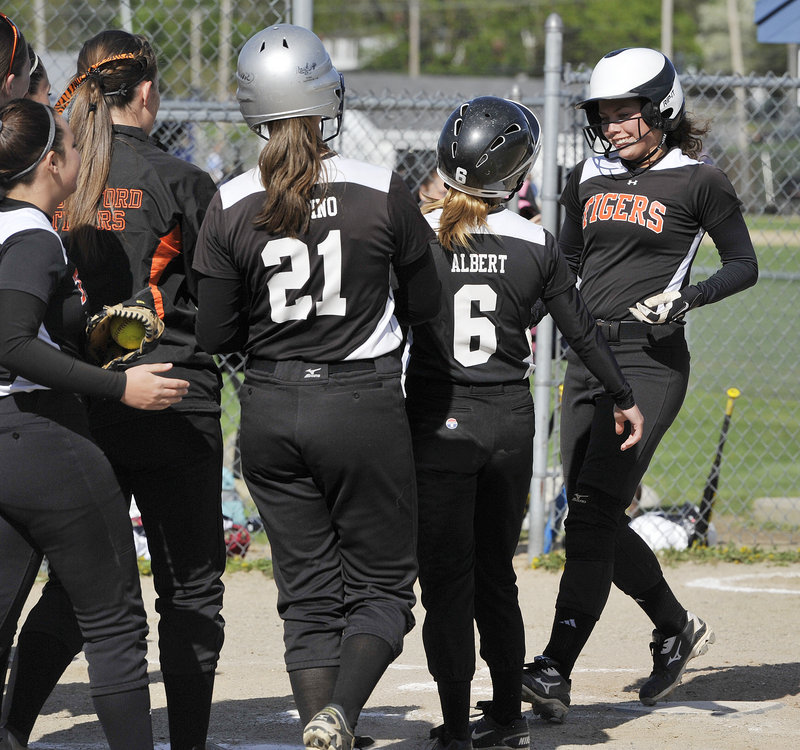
{"points": [[636, 209]]}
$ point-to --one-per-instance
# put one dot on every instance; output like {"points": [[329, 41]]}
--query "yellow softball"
{"points": [[127, 333]]}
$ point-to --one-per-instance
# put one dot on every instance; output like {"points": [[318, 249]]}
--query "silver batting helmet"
{"points": [[285, 71]]}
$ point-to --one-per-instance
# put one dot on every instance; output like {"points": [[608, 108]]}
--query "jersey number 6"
{"points": [[468, 328], [332, 303]]}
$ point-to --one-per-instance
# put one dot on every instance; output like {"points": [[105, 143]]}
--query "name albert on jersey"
{"points": [[476, 262]]}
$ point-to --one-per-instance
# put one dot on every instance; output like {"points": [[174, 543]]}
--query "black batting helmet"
{"points": [[487, 147]]}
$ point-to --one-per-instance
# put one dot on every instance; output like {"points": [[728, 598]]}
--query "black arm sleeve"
{"points": [[580, 329], [739, 264], [570, 243], [24, 354], [419, 292], [221, 322]]}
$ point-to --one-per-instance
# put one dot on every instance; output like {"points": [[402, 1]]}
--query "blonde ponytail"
{"points": [[462, 215]]}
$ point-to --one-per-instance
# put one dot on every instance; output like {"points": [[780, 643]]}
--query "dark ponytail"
{"points": [[28, 132]]}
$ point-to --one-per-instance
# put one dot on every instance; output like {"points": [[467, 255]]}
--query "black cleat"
{"points": [[671, 654], [545, 688]]}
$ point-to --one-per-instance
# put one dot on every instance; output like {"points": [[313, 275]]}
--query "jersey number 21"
{"points": [[332, 303]]}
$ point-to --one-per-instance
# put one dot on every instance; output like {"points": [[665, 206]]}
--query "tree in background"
{"points": [[460, 37], [715, 34]]}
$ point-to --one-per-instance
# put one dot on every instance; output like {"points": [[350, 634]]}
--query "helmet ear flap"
{"points": [[651, 116], [520, 182], [659, 121]]}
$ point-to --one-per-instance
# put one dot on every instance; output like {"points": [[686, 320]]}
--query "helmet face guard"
{"points": [[487, 147], [639, 73], [593, 134], [339, 114], [284, 71]]}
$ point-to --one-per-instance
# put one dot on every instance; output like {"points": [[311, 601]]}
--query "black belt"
{"points": [[623, 330], [270, 365]]}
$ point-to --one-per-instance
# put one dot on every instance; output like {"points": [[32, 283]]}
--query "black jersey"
{"points": [[33, 260], [641, 229], [147, 226], [482, 332], [326, 295]]}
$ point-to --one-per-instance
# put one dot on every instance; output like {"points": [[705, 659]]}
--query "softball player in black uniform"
{"points": [[471, 412], [60, 497], [132, 226], [634, 218], [297, 275]]}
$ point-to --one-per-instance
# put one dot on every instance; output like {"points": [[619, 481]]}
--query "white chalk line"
{"points": [[732, 583], [713, 708]]}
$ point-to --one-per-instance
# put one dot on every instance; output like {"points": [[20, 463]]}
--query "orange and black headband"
{"points": [[93, 70], [15, 44]]}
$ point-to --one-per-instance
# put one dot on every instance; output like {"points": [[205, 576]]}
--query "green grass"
{"points": [[766, 222], [747, 341], [775, 240]]}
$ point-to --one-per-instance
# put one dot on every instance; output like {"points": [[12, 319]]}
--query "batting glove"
{"points": [[667, 306]]}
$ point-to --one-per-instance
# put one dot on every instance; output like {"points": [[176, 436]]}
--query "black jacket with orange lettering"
{"points": [[629, 235], [147, 226]]}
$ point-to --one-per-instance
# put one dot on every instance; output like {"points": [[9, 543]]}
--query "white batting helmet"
{"points": [[638, 72]]}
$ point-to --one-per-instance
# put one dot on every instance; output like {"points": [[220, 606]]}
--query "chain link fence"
{"points": [[747, 341]]}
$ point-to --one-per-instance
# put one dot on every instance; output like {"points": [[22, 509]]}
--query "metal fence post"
{"points": [[544, 332], [303, 13]]}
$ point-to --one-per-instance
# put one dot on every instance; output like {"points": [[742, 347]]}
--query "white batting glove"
{"points": [[667, 306]]}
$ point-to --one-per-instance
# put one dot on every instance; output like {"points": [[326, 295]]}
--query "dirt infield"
{"points": [[743, 694]]}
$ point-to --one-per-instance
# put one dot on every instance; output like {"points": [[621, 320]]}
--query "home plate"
{"points": [[707, 708]]}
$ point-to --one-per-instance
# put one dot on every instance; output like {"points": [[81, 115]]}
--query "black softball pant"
{"points": [[600, 479], [473, 448], [326, 454], [60, 498], [171, 462]]}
